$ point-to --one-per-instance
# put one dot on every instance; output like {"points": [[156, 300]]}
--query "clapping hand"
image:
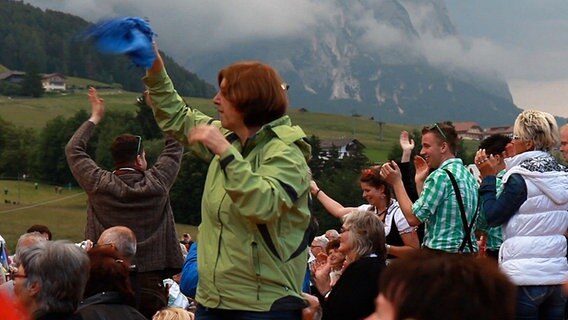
{"points": [[422, 169], [390, 172], [97, 106], [407, 145], [320, 273], [486, 164]]}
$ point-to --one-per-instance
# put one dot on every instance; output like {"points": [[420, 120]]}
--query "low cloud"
{"points": [[188, 27], [185, 26]]}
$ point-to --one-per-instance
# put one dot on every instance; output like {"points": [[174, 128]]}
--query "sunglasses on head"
{"points": [[139, 138], [436, 126]]}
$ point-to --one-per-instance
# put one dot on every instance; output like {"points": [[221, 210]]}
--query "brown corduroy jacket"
{"points": [[138, 200]]}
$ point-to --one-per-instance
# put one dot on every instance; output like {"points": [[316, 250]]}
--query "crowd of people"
{"points": [[433, 242]]}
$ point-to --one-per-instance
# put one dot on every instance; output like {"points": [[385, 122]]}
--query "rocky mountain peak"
{"points": [[368, 58]]}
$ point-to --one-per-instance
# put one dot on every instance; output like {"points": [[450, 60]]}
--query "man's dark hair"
{"points": [[495, 144], [41, 229], [125, 148], [445, 131]]}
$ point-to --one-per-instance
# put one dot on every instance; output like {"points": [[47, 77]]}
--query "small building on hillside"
{"points": [[53, 82], [344, 146], [16, 77], [504, 130], [469, 130], [49, 82]]}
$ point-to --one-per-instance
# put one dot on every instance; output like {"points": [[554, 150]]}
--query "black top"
{"points": [[59, 316], [353, 296], [407, 172], [394, 238], [107, 305]]}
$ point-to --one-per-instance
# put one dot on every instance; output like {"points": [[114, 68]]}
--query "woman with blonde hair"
{"points": [[532, 210], [173, 314]]}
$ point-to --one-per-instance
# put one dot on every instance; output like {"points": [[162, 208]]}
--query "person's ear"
{"points": [[34, 289], [138, 160], [444, 147], [529, 145]]}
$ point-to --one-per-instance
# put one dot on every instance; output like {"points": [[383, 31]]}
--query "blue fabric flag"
{"points": [[127, 35], [3, 256]]}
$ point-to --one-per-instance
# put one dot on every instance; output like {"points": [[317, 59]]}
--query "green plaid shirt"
{"points": [[494, 234], [437, 207]]}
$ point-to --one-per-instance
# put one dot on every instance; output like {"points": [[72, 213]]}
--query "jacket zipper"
{"points": [[219, 239], [256, 268]]}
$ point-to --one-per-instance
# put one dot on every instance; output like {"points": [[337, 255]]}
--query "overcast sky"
{"points": [[533, 37], [524, 40]]}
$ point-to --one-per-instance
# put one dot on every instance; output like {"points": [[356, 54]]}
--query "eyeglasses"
{"points": [[435, 125], [139, 138], [15, 275]]}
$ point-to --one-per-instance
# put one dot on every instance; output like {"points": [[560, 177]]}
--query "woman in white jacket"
{"points": [[533, 211]]}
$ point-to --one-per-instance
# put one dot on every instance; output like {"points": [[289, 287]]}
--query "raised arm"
{"points": [[171, 112], [83, 168], [407, 145], [333, 207]]}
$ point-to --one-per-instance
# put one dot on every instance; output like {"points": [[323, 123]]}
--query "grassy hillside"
{"points": [[35, 113], [84, 83], [64, 214]]}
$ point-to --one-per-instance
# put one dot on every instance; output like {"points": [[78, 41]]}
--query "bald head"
{"points": [[27, 240], [122, 238], [331, 234]]}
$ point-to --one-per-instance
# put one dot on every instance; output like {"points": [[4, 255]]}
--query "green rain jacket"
{"points": [[253, 235]]}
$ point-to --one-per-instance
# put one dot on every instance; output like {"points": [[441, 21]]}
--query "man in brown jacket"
{"points": [[133, 196]]}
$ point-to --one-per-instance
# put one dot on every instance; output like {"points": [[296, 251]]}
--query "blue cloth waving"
{"points": [[127, 35]]}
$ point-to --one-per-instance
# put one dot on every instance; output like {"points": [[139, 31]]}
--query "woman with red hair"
{"points": [[108, 293]]}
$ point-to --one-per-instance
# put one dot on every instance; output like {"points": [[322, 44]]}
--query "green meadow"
{"points": [[64, 213], [34, 113]]}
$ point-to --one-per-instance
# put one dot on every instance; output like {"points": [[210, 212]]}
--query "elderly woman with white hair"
{"points": [[362, 241], [532, 209], [50, 280]]}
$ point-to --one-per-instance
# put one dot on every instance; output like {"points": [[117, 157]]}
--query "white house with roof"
{"points": [[344, 146], [53, 82]]}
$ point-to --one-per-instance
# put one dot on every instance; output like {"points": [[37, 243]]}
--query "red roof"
{"points": [[465, 126]]}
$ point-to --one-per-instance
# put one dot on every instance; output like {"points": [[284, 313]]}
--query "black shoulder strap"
{"points": [[467, 226]]}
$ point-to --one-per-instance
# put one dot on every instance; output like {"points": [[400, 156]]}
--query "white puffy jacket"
{"points": [[534, 250]]}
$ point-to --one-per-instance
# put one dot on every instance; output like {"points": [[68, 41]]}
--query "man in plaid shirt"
{"points": [[437, 206]]}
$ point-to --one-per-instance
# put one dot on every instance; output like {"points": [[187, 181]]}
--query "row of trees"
{"points": [[40, 155], [52, 40]]}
